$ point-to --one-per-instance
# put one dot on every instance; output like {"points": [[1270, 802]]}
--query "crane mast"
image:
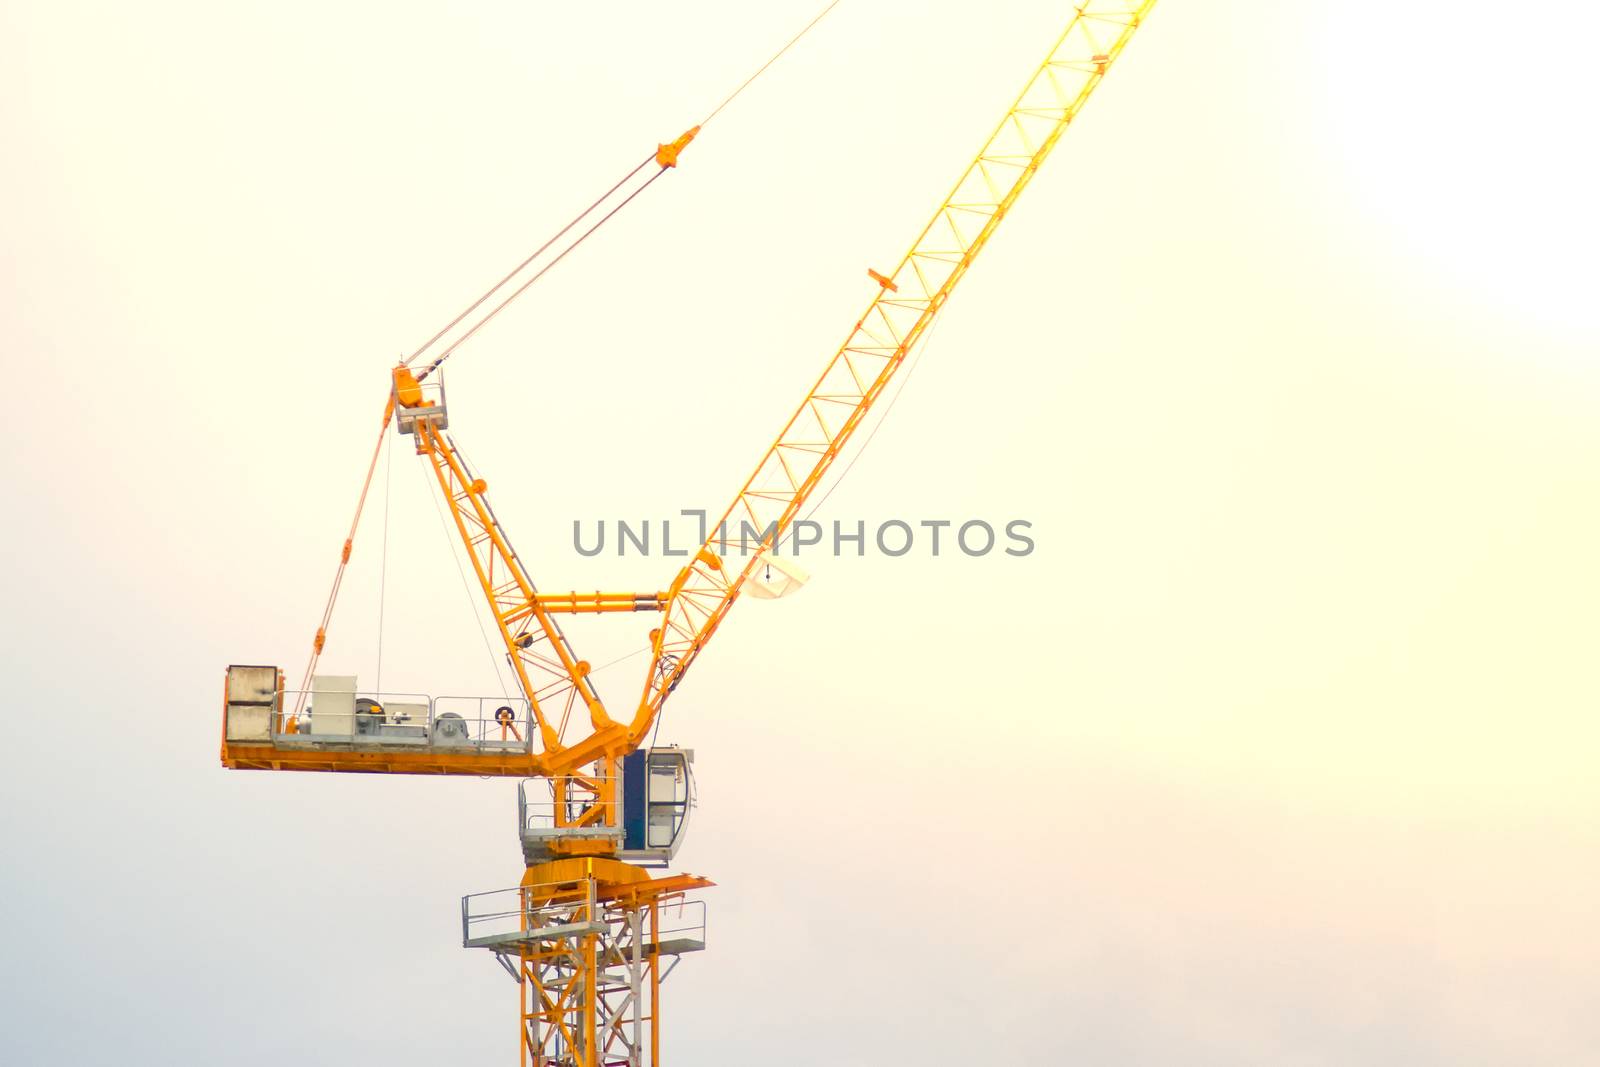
{"points": [[588, 934]]}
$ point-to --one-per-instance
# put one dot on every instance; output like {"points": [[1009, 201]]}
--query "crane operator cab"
{"points": [[655, 793]]}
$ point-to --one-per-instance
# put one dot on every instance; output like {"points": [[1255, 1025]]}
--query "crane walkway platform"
{"points": [[554, 917], [511, 940], [676, 946]]}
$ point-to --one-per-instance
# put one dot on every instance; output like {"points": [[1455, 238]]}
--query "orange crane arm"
{"points": [[555, 682], [549, 673], [898, 317]]}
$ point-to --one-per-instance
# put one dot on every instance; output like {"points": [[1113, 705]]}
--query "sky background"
{"points": [[1279, 749]]}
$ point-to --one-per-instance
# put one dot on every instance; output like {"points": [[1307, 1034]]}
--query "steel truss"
{"points": [[589, 956]]}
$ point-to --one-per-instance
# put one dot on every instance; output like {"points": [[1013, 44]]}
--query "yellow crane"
{"points": [[590, 933]]}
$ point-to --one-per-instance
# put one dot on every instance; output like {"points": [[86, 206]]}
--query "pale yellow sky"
{"points": [[1278, 750]]}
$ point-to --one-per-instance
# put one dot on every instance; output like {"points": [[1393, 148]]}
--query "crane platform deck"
{"points": [[510, 940], [335, 727], [285, 755], [515, 940]]}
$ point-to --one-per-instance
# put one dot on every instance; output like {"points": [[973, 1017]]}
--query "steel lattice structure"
{"points": [[586, 944], [699, 598], [895, 320]]}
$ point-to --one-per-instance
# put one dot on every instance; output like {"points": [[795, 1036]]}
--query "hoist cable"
{"points": [[609, 193], [520, 267], [466, 586], [916, 357], [775, 57], [620, 659], [344, 561], [383, 561], [540, 273]]}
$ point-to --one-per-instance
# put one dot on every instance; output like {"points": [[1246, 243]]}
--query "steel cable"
{"points": [[520, 267]]}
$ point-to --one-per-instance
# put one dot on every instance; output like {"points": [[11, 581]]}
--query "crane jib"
{"points": [[897, 317]]}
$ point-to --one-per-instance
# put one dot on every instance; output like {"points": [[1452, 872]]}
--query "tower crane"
{"points": [[590, 932]]}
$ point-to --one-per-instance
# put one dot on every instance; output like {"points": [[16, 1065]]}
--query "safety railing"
{"points": [[429, 405], [490, 724], [503, 918], [681, 924], [579, 804]]}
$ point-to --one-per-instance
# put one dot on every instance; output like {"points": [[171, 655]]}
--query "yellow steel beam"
{"points": [[268, 757], [897, 317], [550, 675], [576, 603]]}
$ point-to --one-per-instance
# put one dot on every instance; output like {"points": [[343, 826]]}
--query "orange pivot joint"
{"points": [[667, 154], [407, 390]]}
